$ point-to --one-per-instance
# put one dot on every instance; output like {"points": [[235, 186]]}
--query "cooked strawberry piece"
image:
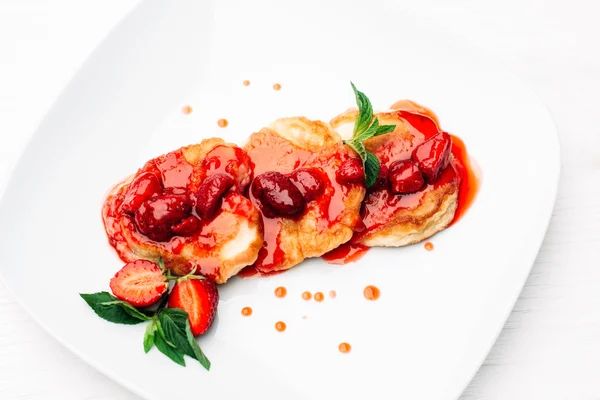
{"points": [[432, 156], [140, 283], [351, 171], [405, 177], [144, 186], [210, 194], [278, 195], [232, 161], [310, 182], [157, 215], [187, 227], [197, 297]]}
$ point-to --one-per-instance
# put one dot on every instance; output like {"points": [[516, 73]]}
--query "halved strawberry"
{"points": [[197, 297], [140, 283]]}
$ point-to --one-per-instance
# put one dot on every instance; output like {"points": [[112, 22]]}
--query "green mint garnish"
{"points": [[366, 127]]}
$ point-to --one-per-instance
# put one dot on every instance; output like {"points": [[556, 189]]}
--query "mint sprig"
{"points": [[169, 329], [366, 127], [110, 308]]}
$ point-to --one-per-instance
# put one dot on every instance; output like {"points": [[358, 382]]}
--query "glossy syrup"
{"points": [[469, 182], [176, 172], [346, 253], [270, 152]]}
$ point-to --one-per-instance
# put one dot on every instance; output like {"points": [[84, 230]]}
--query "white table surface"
{"points": [[550, 346]]}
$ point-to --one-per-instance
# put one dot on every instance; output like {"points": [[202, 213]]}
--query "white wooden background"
{"points": [[550, 346]]}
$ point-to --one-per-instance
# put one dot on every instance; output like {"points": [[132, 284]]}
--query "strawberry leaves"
{"points": [[169, 329], [366, 127]]}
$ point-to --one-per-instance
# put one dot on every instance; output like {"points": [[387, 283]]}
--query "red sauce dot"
{"points": [[280, 292], [371, 292], [332, 294], [247, 311], [186, 110], [222, 123], [304, 317], [276, 86], [246, 83], [428, 246], [345, 347], [280, 326], [307, 295], [319, 297]]}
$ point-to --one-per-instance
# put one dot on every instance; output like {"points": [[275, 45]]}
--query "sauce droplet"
{"points": [[428, 246], [276, 86], [222, 123], [280, 326], [319, 297], [246, 83], [371, 292], [307, 295], [280, 292], [344, 347], [186, 110], [332, 294], [247, 311], [304, 317]]}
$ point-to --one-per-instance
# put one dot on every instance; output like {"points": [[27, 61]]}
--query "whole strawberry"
{"points": [[199, 298]]}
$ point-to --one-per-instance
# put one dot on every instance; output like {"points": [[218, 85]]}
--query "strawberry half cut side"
{"points": [[140, 283]]}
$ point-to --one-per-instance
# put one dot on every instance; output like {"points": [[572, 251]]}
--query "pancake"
{"points": [[225, 239], [327, 221], [401, 219]]}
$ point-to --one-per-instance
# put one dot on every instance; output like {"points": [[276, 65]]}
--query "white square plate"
{"points": [[439, 311]]}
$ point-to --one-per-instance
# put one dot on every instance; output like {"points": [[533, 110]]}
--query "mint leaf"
{"points": [[129, 309], [359, 148], [108, 307], [149, 336], [383, 129], [198, 354], [371, 169], [370, 131], [365, 112], [177, 330], [366, 127], [172, 321], [168, 350]]}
